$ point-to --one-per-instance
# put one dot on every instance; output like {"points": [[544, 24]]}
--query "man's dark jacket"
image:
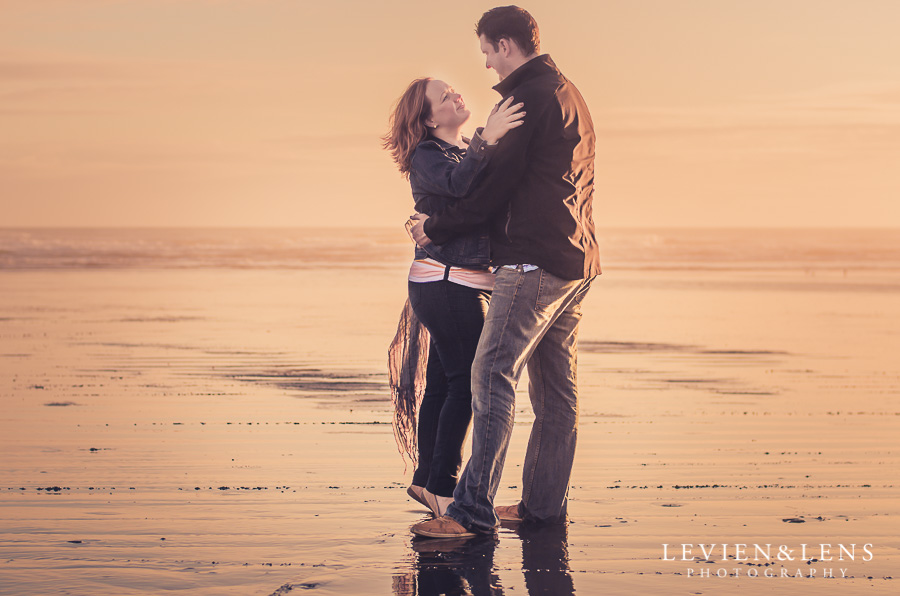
{"points": [[537, 192]]}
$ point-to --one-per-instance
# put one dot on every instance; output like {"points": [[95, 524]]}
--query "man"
{"points": [[537, 200]]}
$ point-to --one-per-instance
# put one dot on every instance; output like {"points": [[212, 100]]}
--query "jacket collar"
{"points": [[534, 67], [444, 144]]}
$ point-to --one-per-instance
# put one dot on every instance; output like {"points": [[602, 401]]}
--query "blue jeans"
{"points": [[533, 319]]}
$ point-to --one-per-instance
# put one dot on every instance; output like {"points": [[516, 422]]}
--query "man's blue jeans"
{"points": [[533, 319]]}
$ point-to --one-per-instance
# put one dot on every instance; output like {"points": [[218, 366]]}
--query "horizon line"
{"points": [[400, 227]]}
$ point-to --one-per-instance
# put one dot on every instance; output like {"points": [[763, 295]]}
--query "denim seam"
{"points": [[539, 429], [520, 279], [537, 300]]}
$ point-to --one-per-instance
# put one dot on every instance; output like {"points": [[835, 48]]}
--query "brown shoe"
{"points": [[508, 513], [441, 527]]}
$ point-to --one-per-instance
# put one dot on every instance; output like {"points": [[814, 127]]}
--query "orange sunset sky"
{"points": [[256, 112]]}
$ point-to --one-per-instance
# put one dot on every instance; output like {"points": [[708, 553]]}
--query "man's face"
{"points": [[493, 58]]}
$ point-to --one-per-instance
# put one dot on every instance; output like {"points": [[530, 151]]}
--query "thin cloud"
{"points": [[853, 120], [55, 70], [352, 141]]}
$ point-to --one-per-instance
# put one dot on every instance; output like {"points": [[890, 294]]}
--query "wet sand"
{"points": [[228, 432]]}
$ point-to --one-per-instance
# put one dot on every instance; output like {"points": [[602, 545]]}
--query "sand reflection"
{"points": [[465, 567]]}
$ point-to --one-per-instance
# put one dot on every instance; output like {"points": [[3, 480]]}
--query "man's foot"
{"points": [[436, 503], [415, 493], [508, 513], [441, 527]]}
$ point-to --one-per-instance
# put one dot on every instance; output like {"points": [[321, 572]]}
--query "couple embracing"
{"points": [[506, 252]]}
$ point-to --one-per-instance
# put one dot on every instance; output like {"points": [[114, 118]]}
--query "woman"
{"points": [[449, 285]]}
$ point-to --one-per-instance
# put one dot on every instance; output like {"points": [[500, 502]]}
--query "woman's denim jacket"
{"points": [[441, 173]]}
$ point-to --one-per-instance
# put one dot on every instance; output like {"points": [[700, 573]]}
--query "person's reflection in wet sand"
{"points": [[545, 559], [452, 567], [465, 567]]}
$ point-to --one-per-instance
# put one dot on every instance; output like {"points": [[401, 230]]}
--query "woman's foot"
{"points": [[436, 503], [415, 493]]}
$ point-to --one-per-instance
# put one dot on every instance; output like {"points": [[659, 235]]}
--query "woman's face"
{"points": [[447, 107]]}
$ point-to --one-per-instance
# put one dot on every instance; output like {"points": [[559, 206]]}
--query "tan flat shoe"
{"points": [[437, 504], [441, 527], [415, 493]]}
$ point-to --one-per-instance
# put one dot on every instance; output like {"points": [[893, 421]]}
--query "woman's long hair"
{"points": [[406, 125]]}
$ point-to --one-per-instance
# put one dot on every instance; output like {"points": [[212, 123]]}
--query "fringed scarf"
{"points": [[407, 363]]}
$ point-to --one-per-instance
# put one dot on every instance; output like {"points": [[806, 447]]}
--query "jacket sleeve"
{"points": [[494, 189], [437, 174]]}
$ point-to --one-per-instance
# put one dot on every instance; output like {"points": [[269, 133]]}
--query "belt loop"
{"points": [[447, 273]]}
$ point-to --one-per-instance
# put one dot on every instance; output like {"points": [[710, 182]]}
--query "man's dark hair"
{"points": [[512, 23]]}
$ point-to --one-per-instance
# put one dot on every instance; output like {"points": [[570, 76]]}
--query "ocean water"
{"points": [[304, 248]]}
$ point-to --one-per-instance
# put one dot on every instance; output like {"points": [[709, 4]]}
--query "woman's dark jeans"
{"points": [[454, 315]]}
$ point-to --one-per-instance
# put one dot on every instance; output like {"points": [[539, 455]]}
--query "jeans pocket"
{"points": [[554, 293], [545, 294]]}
